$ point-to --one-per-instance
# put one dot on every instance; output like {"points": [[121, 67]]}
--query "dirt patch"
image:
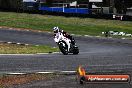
{"points": [[22, 29], [10, 80]]}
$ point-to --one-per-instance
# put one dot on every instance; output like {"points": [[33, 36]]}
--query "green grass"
{"points": [[74, 25], [30, 49]]}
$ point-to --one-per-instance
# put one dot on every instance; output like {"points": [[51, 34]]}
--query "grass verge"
{"points": [[20, 49], [83, 26]]}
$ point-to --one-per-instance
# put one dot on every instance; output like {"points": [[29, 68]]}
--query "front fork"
{"points": [[68, 42]]}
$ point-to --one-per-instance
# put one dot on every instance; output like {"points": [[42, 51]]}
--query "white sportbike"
{"points": [[65, 44]]}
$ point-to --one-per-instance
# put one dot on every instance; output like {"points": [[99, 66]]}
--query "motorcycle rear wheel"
{"points": [[75, 50]]}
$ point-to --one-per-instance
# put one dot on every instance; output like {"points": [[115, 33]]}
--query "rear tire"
{"points": [[75, 51]]}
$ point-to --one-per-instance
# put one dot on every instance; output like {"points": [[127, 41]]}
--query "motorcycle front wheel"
{"points": [[63, 47]]}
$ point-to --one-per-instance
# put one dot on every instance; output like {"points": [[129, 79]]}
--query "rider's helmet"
{"points": [[55, 29]]}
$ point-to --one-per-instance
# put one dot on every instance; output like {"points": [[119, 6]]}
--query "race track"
{"points": [[96, 54]]}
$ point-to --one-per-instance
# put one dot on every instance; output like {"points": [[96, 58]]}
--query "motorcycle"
{"points": [[65, 45]]}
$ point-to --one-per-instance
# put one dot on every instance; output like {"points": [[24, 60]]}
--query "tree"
{"points": [[10, 4], [5, 4], [120, 6]]}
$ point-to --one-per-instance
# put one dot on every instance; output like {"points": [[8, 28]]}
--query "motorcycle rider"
{"points": [[57, 30]]}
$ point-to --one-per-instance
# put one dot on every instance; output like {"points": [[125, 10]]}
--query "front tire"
{"points": [[63, 47]]}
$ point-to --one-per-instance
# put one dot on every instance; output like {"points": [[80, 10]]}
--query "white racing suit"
{"points": [[59, 36]]}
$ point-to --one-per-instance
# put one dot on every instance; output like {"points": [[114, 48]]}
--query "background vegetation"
{"points": [[87, 26]]}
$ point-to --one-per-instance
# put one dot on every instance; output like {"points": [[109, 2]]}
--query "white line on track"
{"points": [[26, 44], [86, 35], [68, 71], [18, 43], [123, 38], [9, 42], [44, 72], [15, 73], [55, 52]]}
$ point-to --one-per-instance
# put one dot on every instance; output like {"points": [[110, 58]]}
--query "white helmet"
{"points": [[55, 29]]}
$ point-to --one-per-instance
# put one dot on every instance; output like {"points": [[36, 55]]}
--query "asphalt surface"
{"points": [[96, 55]]}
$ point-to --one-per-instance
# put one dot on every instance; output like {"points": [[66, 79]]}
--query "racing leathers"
{"points": [[65, 34]]}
